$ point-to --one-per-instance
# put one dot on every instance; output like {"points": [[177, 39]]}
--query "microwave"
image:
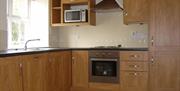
{"points": [[75, 15]]}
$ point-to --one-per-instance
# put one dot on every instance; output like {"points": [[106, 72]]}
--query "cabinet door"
{"points": [[74, 1], [58, 69], [131, 81], [165, 71], [54, 70], [10, 74], [34, 72], [80, 69], [67, 70], [164, 24], [136, 11]]}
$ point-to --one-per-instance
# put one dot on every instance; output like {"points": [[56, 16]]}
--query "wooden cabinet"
{"points": [[58, 71], [10, 74], [74, 1], [164, 25], [136, 11], [164, 45], [34, 72], [131, 81], [57, 8], [80, 69], [55, 11], [165, 72], [67, 70], [54, 70], [134, 70]]}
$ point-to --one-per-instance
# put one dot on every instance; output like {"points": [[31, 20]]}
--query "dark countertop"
{"points": [[16, 52]]}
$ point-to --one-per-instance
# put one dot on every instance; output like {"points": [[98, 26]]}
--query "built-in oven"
{"points": [[104, 66]]}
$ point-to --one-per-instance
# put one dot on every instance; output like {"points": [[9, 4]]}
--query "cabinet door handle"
{"points": [[73, 58], [152, 41], [152, 59], [125, 13], [20, 69], [20, 65]]}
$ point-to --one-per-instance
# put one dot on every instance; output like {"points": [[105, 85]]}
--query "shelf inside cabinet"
{"points": [[56, 16], [56, 7], [74, 24], [56, 3]]}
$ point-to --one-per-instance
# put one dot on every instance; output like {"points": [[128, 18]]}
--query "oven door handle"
{"points": [[102, 59]]}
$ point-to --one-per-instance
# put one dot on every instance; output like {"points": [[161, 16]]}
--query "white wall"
{"points": [[3, 25], [109, 31]]}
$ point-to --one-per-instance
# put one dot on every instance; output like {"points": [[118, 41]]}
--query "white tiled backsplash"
{"points": [[109, 31]]}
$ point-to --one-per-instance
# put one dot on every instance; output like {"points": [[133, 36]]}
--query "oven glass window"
{"points": [[104, 68], [74, 15]]}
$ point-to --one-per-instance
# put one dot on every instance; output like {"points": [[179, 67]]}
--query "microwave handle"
{"points": [[81, 15]]}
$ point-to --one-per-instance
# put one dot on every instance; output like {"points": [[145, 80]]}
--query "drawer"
{"points": [[134, 81], [134, 66], [134, 56]]}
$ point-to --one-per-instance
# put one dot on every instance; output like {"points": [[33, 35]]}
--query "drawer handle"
{"points": [[134, 74], [134, 56], [133, 66]]}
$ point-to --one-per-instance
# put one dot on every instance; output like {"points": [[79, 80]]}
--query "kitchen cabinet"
{"points": [[50, 71], [54, 70], [134, 70], [10, 74], [164, 45], [136, 11], [131, 81], [34, 72], [57, 8], [55, 11], [165, 72], [80, 69], [74, 1], [67, 70], [58, 71]]}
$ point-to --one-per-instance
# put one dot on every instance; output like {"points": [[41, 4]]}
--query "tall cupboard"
{"points": [[164, 45]]}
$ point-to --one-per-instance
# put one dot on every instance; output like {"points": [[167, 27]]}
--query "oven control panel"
{"points": [[103, 53]]}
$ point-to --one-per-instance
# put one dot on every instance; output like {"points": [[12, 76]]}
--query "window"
{"points": [[27, 19]]}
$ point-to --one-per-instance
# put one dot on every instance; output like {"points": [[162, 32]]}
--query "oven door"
{"points": [[104, 70]]}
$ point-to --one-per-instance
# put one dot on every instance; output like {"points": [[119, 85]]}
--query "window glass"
{"points": [[27, 19], [20, 8]]}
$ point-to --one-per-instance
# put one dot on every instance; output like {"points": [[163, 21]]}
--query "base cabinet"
{"points": [[36, 72], [131, 81], [134, 70], [10, 74], [165, 71], [58, 71], [79, 70]]}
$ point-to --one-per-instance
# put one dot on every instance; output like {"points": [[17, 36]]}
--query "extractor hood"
{"points": [[108, 6]]}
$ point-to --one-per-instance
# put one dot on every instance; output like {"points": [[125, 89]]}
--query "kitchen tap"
{"points": [[25, 46]]}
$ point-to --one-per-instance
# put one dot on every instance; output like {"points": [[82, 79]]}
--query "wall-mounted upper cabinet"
{"points": [[55, 8], [136, 11], [74, 1], [59, 17]]}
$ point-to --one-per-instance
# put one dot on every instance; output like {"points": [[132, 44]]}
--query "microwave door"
{"points": [[73, 16]]}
